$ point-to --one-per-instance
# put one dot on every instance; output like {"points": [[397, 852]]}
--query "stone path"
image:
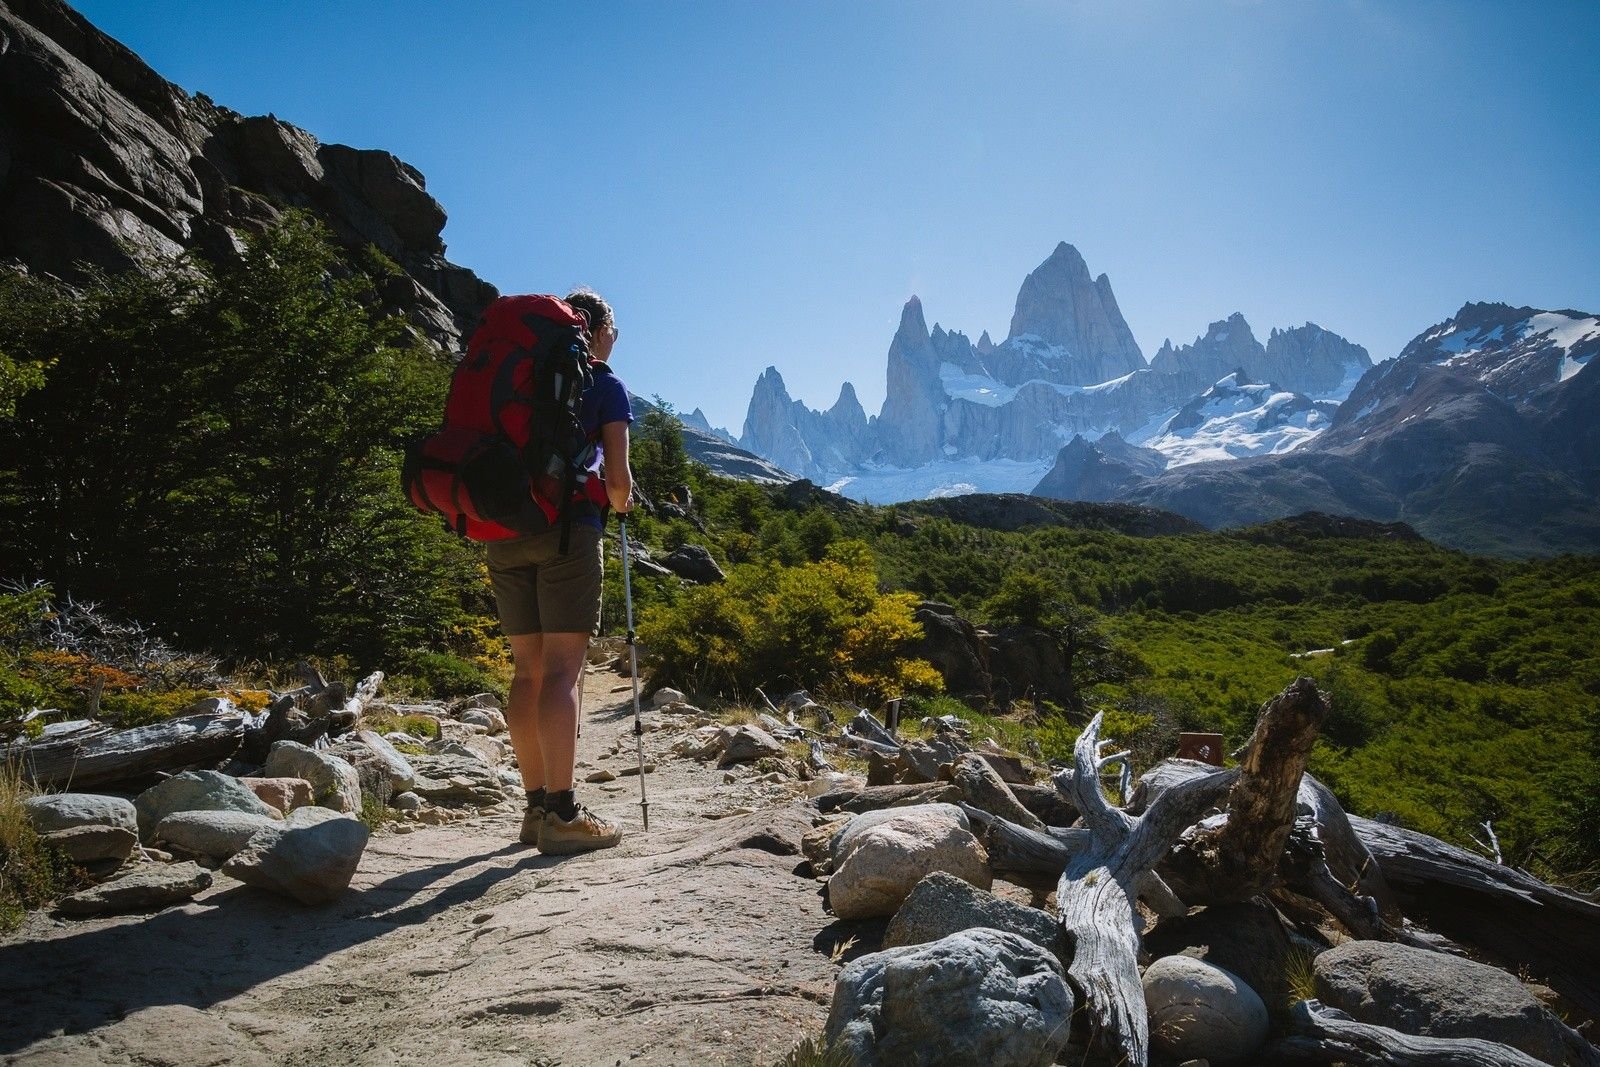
{"points": [[697, 943]]}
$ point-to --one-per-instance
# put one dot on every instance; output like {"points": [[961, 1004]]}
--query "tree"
{"points": [[660, 462], [217, 452], [1089, 655]]}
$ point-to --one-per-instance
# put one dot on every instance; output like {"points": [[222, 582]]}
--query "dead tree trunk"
{"points": [[1022, 856], [102, 759], [1239, 857], [1513, 916], [1322, 1035], [1096, 894]]}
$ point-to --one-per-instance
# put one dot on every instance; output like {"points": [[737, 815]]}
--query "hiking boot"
{"points": [[532, 824], [584, 832]]}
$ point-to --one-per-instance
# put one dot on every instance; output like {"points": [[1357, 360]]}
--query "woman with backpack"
{"points": [[549, 606]]}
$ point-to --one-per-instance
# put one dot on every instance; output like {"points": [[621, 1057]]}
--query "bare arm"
{"points": [[619, 476]]}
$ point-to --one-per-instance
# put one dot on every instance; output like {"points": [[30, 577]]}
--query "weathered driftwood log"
{"points": [[873, 797], [868, 728], [1513, 916], [1350, 863], [1096, 893], [1033, 859], [817, 758], [1325, 1035], [1046, 802], [1237, 857], [86, 761], [983, 788]]}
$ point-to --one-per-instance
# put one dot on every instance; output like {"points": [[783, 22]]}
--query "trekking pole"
{"points": [[582, 671], [633, 662]]}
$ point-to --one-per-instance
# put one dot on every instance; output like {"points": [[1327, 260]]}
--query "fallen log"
{"points": [[1096, 893], [87, 761], [1326, 1035], [1523, 922], [1033, 859], [873, 797]]}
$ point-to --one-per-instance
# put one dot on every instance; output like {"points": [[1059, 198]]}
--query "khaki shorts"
{"points": [[537, 590]]}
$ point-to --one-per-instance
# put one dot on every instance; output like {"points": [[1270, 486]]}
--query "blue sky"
{"points": [[766, 182]]}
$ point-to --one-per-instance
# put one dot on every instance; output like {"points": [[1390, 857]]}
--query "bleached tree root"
{"points": [[1324, 1035], [1095, 895]]}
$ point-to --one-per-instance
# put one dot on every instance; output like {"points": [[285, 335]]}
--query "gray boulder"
{"points": [[63, 811], [1199, 1009], [1430, 994], [456, 780], [215, 835], [488, 718], [884, 862], [695, 564], [743, 744], [942, 904], [979, 997], [197, 791], [93, 844], [333, 780], [401, 774], [845, 833], [311, 856], [1246, 939], [145, 888]]}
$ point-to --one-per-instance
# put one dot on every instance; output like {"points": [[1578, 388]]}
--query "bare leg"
{"points": [[561, 672], [522, 709]]}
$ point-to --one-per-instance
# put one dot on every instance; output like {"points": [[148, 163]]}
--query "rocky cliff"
{"points": [[103, 163], [1078, 333]]}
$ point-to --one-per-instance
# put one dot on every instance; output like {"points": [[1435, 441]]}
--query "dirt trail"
{"points": [[695, 944]]}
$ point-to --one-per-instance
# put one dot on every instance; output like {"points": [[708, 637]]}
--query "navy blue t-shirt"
{"points": [[603, 402]]}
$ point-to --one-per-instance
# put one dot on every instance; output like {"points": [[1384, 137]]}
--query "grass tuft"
{"points": [[31, 872], [813, 1051]]}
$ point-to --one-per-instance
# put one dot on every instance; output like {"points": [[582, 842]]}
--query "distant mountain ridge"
{"points": [[959, 415], [1482, 435]]}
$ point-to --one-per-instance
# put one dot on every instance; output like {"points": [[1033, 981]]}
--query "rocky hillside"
{"points": [[1481, 435], [104, 163], [982, 416]]}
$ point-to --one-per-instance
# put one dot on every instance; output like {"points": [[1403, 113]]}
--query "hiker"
{"points": [[549, 606]]}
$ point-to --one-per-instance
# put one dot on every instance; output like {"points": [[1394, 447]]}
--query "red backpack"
{"points": [[512, 457]]}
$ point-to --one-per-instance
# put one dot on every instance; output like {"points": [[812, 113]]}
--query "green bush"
{"points": [[442, 675], [821, 626]]}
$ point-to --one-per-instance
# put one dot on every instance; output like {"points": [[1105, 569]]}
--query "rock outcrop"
{"points": [[1067, 328], [103, 163]]}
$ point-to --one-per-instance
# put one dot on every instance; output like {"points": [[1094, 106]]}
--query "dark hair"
{"points": [[593, 307]]}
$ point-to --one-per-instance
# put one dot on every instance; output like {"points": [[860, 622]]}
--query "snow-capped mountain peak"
{"points": [[1236, 418]]}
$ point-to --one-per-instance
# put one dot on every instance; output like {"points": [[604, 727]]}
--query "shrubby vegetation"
{"points": [[212, 449], [1464, 688], [821, 625], [215, 450]]}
